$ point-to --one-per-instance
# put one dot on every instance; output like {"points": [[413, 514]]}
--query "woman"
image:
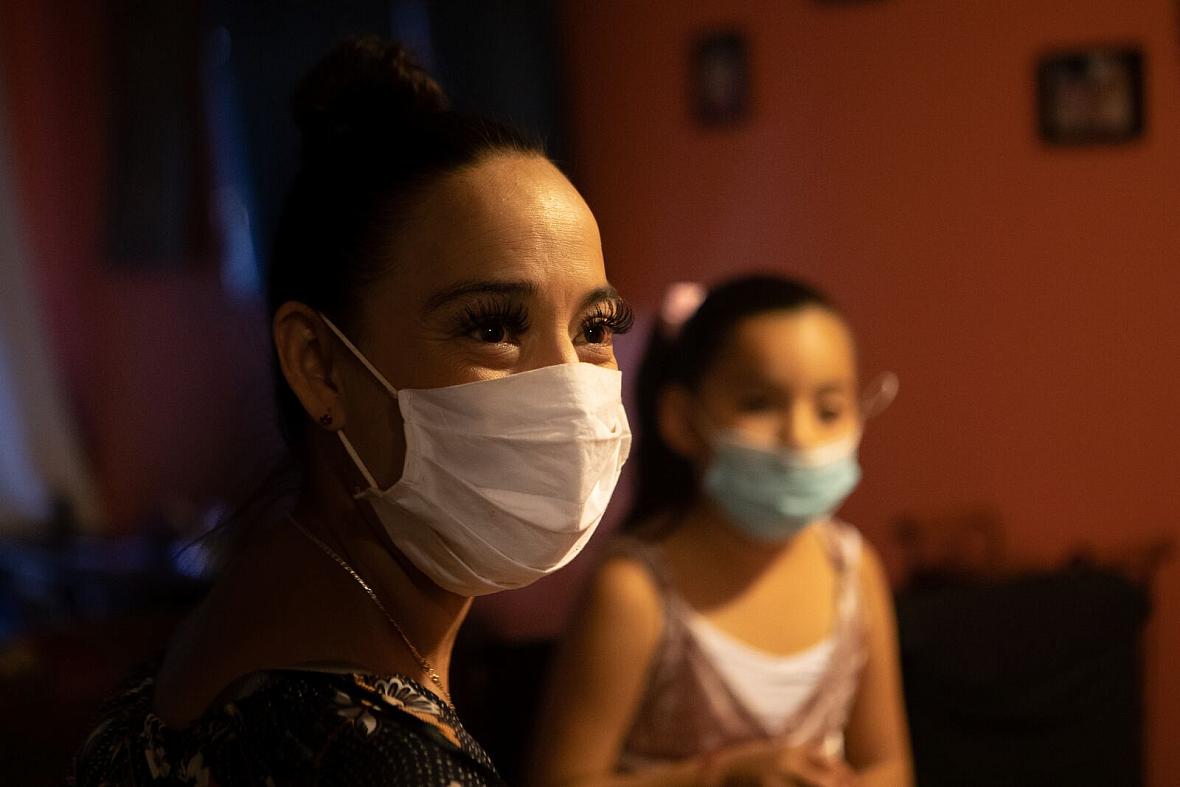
{"points": [[442, 325], [741, 634]]}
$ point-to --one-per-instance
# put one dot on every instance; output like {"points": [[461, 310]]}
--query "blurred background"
{"points": [[989, 189]]}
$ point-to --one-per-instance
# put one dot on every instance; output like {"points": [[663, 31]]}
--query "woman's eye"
{"points": [[596, 333], [828, 415], [492, 334], [606, 321], [493, 323]]}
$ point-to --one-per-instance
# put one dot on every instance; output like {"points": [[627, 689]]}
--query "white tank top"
{"points": [[772, 687]]}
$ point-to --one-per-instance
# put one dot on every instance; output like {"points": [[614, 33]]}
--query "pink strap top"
{"points": [[687, 708]]}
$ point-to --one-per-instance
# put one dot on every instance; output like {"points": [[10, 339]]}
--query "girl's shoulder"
{"points": [[862, 565], [844, 543], [632, 570], [630, 548]]}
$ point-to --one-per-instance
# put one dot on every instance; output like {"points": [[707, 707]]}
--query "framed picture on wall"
{"points": [[1091, 96], [719, 86]]}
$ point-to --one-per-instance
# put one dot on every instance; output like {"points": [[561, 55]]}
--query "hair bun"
{"points": [[366, 88]]}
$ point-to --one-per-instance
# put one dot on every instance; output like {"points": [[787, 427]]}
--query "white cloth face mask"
{"points": [[504, 480]]}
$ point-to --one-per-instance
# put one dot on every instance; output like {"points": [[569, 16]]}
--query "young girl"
{"points": [[739, 634]]}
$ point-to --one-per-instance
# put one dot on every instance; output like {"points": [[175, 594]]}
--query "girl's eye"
{"points": [[830, 414], [754, 403]]}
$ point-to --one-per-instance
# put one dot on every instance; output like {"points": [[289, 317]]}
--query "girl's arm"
{"points": [[597, 681], [878, 741]]}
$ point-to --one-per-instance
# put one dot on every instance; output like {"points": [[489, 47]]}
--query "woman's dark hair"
{"points": [[664, 480], [377, 131]]}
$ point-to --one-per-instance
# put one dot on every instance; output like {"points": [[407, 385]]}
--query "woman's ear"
{"points": [[678, 427], [305, 351]]}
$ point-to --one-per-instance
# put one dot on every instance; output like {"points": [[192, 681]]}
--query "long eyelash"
{"points": [[617, 315], [483, 314]]}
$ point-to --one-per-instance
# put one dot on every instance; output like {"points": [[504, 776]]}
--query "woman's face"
{"points": [[497, 270], [785, 379]]}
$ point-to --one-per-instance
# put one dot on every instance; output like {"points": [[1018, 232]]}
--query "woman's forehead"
{"points": [[509, 220], [502, 195]]}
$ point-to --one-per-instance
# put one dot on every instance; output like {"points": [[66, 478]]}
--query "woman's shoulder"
{"points": [[288, 727]]}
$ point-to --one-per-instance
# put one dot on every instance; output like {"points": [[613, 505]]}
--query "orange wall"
{"points": [[1025, 296]]}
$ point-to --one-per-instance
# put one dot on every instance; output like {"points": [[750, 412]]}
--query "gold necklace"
{"points": [[426, 666]]}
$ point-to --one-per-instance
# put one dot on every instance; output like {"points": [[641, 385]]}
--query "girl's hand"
{"points": [[770, 764], [810, 767]]}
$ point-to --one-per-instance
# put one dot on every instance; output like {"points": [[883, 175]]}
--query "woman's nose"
{"points": [[552, 350]]}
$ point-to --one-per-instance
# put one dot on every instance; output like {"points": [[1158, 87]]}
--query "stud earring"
{"points": [[326, 419]]}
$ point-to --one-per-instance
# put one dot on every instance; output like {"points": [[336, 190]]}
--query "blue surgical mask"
{"points": [[772, 494]]}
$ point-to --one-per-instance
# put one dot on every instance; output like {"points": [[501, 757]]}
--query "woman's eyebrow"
{"points": [[465, 289], [600, 294]]}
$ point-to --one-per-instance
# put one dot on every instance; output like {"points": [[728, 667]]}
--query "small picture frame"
{"points": [[1091, 96], [720, 79]]}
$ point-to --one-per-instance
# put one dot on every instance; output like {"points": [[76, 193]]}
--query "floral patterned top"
{"points": [[288, 728]]}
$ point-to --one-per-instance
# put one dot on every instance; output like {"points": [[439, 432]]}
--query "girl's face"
{"points": [[785, 379]]}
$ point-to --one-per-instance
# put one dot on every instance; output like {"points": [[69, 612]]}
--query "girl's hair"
{"points": [[377, 132], [665, 482]]}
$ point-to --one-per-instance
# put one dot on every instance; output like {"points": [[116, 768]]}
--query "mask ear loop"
{"points": [[356, 460], [878, 395], [352, 453], [359, 355]]}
